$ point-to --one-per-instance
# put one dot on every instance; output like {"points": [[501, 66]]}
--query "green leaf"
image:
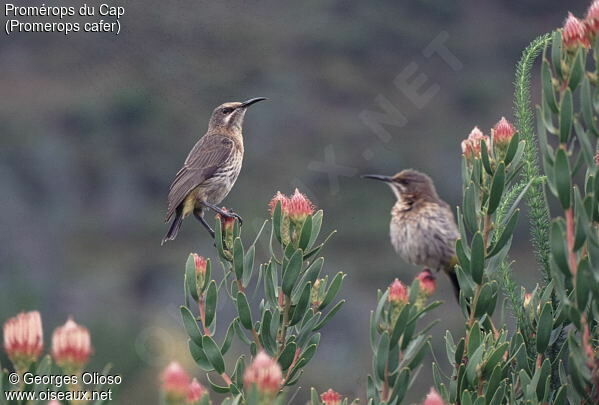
{"points": [[584, 281], [548, 92], [306, 233], [477, 258], [505, 235], [544, 327], [287, 355], [556, 51], [190, 277], [512, 149], [332, 290], [211, 302], [191, 326], [228, 337], [485, 298], [302, 305], [220, 389], [276, 221], [563, 178], [248, 264], [467, 286], [586, 148], [558, 248], [243, 308], [586, 104], [198, 355], [381, 356], [316, 225], [238, 254], [213, 354], [565, 117], [292, 272], [461, 254], [497, 187], [328, 316], [484, 154], [470, 208], [576, 70]]}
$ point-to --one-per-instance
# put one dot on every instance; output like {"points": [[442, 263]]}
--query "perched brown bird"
{"points": [[210, 170], [423, 230]]}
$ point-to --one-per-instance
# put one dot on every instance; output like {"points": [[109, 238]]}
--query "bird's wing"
{"points": [[208, 154]]}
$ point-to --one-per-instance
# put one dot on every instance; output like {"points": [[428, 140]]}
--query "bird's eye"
{"points": [[227, 110], [403, 182]]}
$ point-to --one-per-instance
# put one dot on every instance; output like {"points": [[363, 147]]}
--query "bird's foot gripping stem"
{"points": [[224, 212]]}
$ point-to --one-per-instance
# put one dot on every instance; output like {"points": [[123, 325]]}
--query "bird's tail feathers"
{"points": [[450, 271], [173, 229]]}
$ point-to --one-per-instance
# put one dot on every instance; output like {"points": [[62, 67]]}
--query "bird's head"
{"points": [[229, 116], [408, 185]]}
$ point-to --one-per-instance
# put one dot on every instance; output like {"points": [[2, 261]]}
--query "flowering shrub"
{"points": [[551, 356], [70, 352]]}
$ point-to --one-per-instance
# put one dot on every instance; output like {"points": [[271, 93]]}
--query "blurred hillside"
{"points": [[94, 127]]}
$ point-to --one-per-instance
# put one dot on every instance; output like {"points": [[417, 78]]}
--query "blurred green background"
{"points": [[94, 127]]}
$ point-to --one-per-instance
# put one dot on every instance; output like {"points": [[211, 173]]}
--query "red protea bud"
{"points": [[433, 398], [597, 158], [592, 18], [398, 293], [574, 33], [71, 346], [331, 398], [299, 207], [200, 265], [427, 282], [527, 299], [503, 132], [23, 339], [471, 145], [175, 383], [279, 197], [195, 392], [265, 374]]}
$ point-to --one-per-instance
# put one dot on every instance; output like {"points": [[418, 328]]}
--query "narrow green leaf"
{"points": [[243, 308], [332, 290], [544, 327], [563, 178], [505, 235], [497, 187], [548, 92], [381, 356], [576, 70], [191, 326], [306, 233], [477, 258], [292, 272], [565, 117], [302, 305], [328, 316], [211, 303], [484, 154], [213, 354], [190, 277], [238, 254]]}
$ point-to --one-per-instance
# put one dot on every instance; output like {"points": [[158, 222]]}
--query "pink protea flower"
{"points": [[54, 402], [175, 382], [279, 197], [503, 132], [299, 207], [592, 17], [23, 339], [195, 392], [71, 346], [398, 293], [471, 145], [331, 398], [264, 373], [200, 263], [433, 398], [574, 33], [428, 282]]}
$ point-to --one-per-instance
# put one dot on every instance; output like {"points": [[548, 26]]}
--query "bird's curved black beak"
{"points": [[386, 179], [251, 101]]}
